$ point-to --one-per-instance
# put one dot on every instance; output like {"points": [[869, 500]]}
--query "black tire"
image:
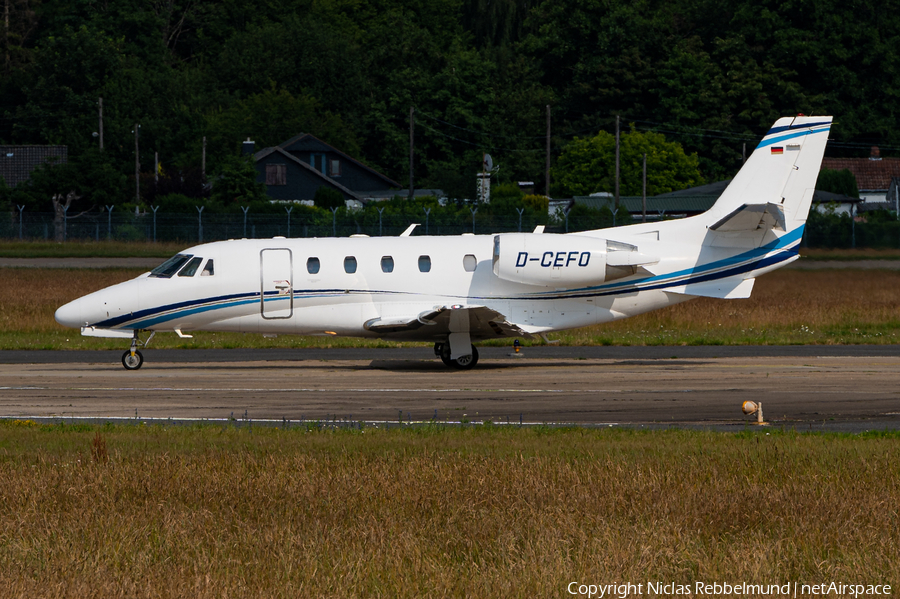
{"points": [[461, 363], [132, 363], [466, 362], [445, 355]]}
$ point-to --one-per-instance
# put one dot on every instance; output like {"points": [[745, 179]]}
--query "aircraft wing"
{"points": [[481, 322], [106, 333]]}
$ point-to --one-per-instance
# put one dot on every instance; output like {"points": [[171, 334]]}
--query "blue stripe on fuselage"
{"points": [[726, 267]]}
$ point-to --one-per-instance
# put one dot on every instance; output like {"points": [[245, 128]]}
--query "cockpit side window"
{"points": [[190, 269], [170, 266], [209, 269]]}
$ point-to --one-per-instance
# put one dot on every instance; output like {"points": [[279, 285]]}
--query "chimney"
{"points": [[875, 153], [248, 147]]}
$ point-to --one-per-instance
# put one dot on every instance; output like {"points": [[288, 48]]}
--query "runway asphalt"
{"points": [[807, 388]]}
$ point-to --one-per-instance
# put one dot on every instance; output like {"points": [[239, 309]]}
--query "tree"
{"points": [[235, 182], [587, 165], [842, 182], [61, 102], [86, 182], [273, 116]]}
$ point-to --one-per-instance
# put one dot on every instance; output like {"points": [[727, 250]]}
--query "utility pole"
{"points": [[617, 162], [644, 193], [137, 165], [547, 165], [203, 165], [100, 105], [6, 35], [412, 145], [744, 154], [156, 167]]}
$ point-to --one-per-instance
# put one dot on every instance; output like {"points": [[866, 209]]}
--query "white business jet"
{"points": [[456, 290]]}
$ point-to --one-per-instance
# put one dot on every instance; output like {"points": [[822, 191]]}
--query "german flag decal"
{"points": [[778, 149]]}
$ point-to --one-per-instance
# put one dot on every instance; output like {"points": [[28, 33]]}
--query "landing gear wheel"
{"points": [[460, 363], [466, 362], [132, 362], [443, 352]]}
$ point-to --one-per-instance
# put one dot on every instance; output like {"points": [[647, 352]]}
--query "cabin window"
{"points": [[312, 266], [334, 168], [170, 266], [387, 264], [276, 174], [209, 269], [424, 263], [470, 262], [350, 265], [190, 269]]}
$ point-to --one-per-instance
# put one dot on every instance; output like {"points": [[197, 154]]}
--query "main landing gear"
{"points": [[442, 350], [133, 359]]}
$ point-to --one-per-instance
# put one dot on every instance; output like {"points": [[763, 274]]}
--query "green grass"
{"points": [[214, 511]]}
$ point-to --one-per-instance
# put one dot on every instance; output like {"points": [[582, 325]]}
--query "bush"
{"points": [[540, 204], [328, 198]]}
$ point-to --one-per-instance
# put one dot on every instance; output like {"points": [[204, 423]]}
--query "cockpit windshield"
{"points": [[191, 268], [170, 266]]}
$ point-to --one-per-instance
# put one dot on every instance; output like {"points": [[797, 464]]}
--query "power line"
{"points": [[474, 144], [434, 118]]}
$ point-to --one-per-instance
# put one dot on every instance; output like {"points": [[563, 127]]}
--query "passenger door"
{"points": [[276, 278]]}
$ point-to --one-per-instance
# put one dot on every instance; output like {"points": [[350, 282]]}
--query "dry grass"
{"points": [[787, 306], [850, 254], [30, 296], [108, 249], [210, 512]]}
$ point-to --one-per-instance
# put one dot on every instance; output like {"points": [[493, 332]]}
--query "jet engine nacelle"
{"points": [[563, 260]]}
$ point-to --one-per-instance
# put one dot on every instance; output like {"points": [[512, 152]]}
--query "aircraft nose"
{"points": [[69, 315]]}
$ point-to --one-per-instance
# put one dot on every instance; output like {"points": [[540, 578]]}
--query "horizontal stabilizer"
{"points": [[753, 217], [107, 333], [728, 288]]}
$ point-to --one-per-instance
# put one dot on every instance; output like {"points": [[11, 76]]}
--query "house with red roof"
{"points": [[877, 177]]}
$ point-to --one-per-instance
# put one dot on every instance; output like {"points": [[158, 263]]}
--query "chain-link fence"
{"points": [[203, 227], [829, 231]]}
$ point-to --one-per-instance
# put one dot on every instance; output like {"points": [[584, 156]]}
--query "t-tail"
{"points": [[768, 201]]}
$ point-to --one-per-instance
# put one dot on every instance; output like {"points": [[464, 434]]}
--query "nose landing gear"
{"points": [[133, 359]]}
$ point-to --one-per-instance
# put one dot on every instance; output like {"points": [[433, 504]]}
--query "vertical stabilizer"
{"points": [[780, 176]]}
